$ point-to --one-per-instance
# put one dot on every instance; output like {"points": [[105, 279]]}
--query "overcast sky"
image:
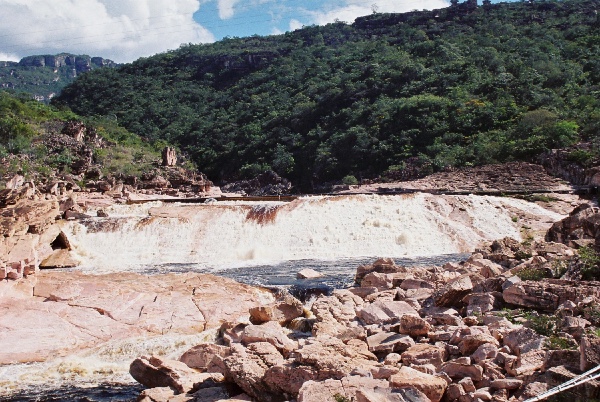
{"points": [[124, 30]]}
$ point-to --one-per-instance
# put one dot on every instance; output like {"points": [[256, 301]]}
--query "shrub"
{"points": [[350, 180], [532, 274], [542, 324], [589, 259], [559, 343]]}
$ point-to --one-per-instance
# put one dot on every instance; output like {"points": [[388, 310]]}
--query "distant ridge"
{"points": [[44, 76]]}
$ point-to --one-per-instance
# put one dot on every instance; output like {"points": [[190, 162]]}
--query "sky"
{"points": [[124, 30]]}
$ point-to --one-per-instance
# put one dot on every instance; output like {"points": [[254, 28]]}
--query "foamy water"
{"points": [[108, 363], [262, 243], [225, 234]]}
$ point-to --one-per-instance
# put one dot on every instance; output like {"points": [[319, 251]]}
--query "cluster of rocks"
{"points": [[581, 228], [74, 144], [267, 183], [26, 237], [561, 163], [513, 177], [453, 333]]}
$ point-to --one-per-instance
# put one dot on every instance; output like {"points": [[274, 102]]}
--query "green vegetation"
{"points": [[340, 398], [589, 259], [555, 342], [541, 323], [532, 274], [31, 143], [398, 95]]}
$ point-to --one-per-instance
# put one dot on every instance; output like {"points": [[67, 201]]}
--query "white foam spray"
{"points": [[226, 234]]}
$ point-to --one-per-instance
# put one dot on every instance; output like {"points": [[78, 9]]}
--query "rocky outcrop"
{"points": [[372, 344], [169, 157], [513, 177], [580, 228], [94, 309]]}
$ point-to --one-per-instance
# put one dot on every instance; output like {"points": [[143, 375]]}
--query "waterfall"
{"points": [[321, 227]]}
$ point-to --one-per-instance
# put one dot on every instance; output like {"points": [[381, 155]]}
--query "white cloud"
{"points": [[295, 24], [122, 30], [276, 31], [8, 57], [351, 9], [226, 8]]}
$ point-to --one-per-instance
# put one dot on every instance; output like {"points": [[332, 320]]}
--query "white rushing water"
{"points": [[271, 238], [229, 234]]}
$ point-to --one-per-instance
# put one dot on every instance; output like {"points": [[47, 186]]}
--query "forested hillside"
{"points": [[36, 141], [392, 94]]}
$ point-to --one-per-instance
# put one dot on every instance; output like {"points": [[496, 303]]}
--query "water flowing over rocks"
{"points": [[482, 333], [96, 309]]}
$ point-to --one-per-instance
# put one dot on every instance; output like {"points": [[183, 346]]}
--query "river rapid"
{"points": [[262, 244]]}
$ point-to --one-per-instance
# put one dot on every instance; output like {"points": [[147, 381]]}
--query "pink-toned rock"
{"points": [[93, 309], [570, 359], [308, 274], [334, 315], [433, 387], [381, 312], [423, 353], [453, 292], [485, 352], [470, 343], [455, 392], [157, 372], [333, 358], [270, 332], [282, 311], [488, 269], [247, 367], [534, 389], [378, 280], [480, 303], [413, 325], [379, 394], [59, 259], [527, 363], [523, 340], [461, 370], [467, 384], [506, 383], [589, 349], [330, 390], [387, 342], [156, 394], [202, 356], [482, 394]]}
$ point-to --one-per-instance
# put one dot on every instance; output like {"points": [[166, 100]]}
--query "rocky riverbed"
{"points": [[512, 321]]}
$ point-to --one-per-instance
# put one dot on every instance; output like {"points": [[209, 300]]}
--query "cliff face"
{"points": [[43, 76], [79, 63]]}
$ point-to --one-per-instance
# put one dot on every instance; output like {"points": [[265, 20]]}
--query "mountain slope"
{"points": [[397, 95], [44, 76]]}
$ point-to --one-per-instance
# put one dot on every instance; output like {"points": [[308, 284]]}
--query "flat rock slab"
{"points": [[87, 310]]}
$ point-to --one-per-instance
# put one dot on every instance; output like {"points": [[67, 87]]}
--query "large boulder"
{"points": [[422, 354], [206, 357], [432, 386], [387, 342], [453, 292], [270, 332], [158, 372], [283, 311], [335, 390], [381, 312]]}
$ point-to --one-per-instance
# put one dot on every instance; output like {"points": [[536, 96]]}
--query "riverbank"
{"points": [[507, 324]]}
